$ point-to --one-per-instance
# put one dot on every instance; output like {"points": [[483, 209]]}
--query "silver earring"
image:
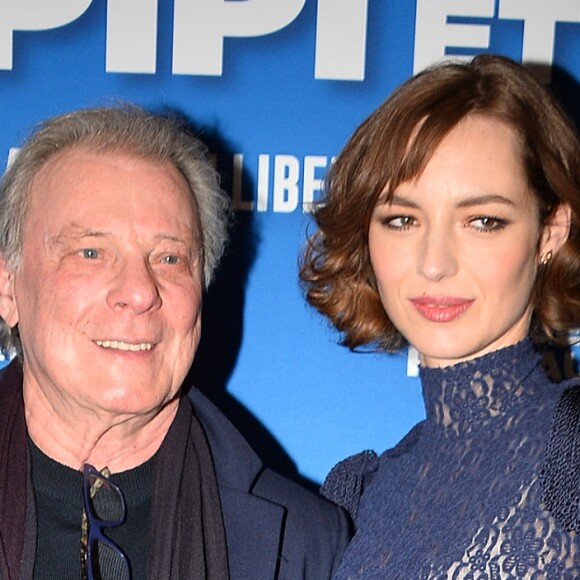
{"points": [[546, 257]]}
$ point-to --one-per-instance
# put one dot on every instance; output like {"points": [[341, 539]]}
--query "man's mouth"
{"points": [[122, 345]]}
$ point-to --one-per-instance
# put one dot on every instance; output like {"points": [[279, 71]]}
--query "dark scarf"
{"points": [[187, 534]]}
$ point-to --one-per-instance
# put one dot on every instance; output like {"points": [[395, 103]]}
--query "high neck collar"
{"points": [[470, 395]]}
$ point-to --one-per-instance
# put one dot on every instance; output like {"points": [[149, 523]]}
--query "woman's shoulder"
{"points": [[346, 482], [560, 474]]}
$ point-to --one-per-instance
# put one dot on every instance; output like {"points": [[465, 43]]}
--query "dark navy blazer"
{"points": [[275, 529]]}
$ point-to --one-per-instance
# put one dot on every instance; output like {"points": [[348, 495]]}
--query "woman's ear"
{"points": [[556, 231], [8, 308]]}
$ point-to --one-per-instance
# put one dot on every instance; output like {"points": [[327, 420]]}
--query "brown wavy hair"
{"points": [[336, 272]]}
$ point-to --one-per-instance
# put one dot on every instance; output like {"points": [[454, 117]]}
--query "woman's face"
{"points": [[456, 250]]}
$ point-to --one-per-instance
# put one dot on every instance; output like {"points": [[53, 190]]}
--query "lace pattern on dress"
{"points": [[465, 502]]}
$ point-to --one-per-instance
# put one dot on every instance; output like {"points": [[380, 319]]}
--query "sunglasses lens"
{"points": [[107, 563], [101, 558], [106, 501]]}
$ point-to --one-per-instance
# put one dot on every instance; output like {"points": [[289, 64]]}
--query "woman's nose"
{"points": [[438, 255]]}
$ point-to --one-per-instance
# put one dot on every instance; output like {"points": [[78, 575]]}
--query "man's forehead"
{"points": [[70, 158], [91, 190]]}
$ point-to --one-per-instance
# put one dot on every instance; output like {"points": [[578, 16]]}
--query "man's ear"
{"points": [[8, 308], [556, 231]]}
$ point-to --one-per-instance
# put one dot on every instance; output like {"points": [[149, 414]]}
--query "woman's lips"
{"points": [[441, 308]]}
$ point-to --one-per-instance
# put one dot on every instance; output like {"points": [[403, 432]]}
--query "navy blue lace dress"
{"points": [[462, 496]]}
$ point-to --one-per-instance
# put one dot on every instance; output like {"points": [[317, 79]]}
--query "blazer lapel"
{"points": [[253, 533], [254, 524]]}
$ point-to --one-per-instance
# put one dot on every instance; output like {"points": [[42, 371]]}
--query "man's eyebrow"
{"points": [[175, 238], [191, 244], [74, 232]]}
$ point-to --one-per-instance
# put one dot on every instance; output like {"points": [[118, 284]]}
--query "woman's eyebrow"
{"points": [[464, 203], [484, 199], [402, 201]]}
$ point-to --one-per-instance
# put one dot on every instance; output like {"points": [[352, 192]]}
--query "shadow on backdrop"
{"points": [[559, 362], [222, 321], [567, 90]]}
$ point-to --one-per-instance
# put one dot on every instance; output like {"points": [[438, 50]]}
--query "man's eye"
{"points": [[90, 253], [170, 260]]}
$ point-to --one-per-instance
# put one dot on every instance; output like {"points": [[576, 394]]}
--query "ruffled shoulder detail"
{"points": [[345, 483], [560, 475]]}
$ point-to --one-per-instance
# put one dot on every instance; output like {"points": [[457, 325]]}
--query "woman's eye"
{"points": [[488, 223], [399, 222], [90, 253]]}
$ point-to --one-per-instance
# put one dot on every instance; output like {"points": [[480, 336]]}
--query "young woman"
{"points": [[451, 222]]}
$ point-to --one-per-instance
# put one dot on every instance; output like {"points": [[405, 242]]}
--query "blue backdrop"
{"points": [[275, 87]]}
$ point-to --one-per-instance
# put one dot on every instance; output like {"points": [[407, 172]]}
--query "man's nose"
{"points": [[135, 287], [438, 254]]}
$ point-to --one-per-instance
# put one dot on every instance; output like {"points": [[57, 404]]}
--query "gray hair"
{"points": [[128, 129]]}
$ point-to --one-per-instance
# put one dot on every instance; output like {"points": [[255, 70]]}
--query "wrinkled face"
{"points": [[107, 296], [456, 250]]}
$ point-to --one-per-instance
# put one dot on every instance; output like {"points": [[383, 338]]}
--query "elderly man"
{"points": [[111, 224]]}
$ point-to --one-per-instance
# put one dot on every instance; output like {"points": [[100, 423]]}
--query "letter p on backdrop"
{"points": [[34, 15]]}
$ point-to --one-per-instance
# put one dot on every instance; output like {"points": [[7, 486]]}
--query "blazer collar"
{"points": [[254, 523]]}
